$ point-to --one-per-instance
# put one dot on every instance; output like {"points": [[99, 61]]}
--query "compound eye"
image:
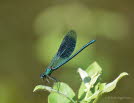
{"points": [[42, 76]]}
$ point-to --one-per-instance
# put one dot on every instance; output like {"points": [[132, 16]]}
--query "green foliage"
{"points": [[93, 72], [66, 92], [90, 90]]}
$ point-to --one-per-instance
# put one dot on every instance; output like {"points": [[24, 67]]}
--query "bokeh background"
{"points": [[30, 34]]}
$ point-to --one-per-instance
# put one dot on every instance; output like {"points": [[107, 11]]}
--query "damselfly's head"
{"points": [[42, 76], [46, 73]]}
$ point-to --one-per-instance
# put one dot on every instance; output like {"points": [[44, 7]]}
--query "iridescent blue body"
{"points": [[64, 54]]}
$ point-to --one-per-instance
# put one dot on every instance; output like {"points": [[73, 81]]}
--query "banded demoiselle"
{"points": [[63, 54]]}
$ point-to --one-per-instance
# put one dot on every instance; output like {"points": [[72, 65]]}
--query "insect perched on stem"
{"points": [[64, 54]]}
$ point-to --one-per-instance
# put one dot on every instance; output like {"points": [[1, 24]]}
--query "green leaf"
{"points": [[98, 90], [43, 88], [64, 94], [93, 69], [110, 86], [85, 78], [91, 89], [104, 88], [60, 93], [93, 72]]}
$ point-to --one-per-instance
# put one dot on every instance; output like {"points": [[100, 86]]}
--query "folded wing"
{"points": [[65, 50]]}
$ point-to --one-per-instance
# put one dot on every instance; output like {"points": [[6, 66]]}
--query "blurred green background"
{"points": [[30, 34]]}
